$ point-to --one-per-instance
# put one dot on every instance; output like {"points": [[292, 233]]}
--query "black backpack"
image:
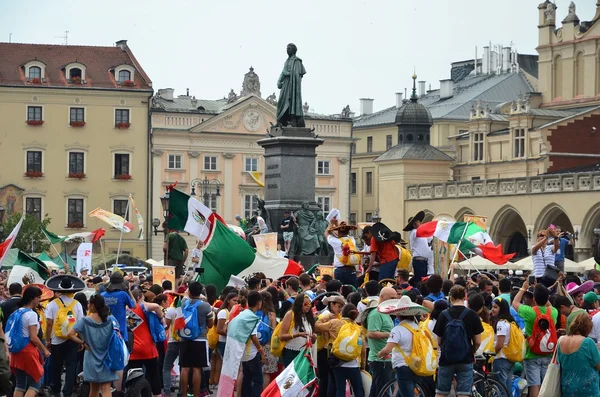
{"points": [[456, 346]]}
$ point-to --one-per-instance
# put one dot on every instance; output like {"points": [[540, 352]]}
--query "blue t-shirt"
{"points": [[118, 301], [434, 298], [562, 246]]}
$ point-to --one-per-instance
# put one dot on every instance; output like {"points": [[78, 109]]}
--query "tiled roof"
{"points": [[98, 61], [414, 151], [490, 89], [576, 112], [188, 104]]}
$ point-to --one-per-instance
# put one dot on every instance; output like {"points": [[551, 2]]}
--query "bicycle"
{"points": [[391, 389], [486, 383]]}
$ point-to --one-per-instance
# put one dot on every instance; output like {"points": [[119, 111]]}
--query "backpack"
{"points": [[212, 336], [456, 346], [543, 338], [516, 348], [346, 258], [157, 329], [191, 330], [405, 257], [14, 331], [423, 360], [172, 329], [117, 356], [65, 318], [264, 329], [487, 340], [277, 345], [347, 346]]}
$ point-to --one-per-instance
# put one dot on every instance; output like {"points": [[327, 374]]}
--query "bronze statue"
{"points": [[289, 105], [320, 226], [307, 242]]}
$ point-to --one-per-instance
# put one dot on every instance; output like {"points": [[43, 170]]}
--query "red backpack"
{"points": [[543, 339]]}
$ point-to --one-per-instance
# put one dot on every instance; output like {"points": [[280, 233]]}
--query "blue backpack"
{"points": [[157, 330], [118, 355], [264, 329], [191, 330], [14, 334], [456, 346]]}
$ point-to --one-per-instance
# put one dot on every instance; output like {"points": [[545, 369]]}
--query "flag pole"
{"points": [[103, 256], [458, 245], [469, 260], [121, 236], [55, 250]]}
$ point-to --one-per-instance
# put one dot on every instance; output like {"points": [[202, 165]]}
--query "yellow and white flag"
{"points": [[113, 220], [255, 175], [140, 220]]}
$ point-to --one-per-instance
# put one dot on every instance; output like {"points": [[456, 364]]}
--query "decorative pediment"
{"points": [[120, 193], [76, 145], [75, 192], [122, 147], [35, 192], [35, 145]]}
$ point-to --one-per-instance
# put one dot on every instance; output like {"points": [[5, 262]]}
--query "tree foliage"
{"points": [[30, 231]]}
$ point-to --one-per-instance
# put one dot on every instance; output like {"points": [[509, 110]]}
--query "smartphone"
{"points": [[531, 279]]}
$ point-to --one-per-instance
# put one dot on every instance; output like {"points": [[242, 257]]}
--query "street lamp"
{"points": [[2, 211], [206, 189]]}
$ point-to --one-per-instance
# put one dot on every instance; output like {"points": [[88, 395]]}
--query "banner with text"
{"points": [[84, 258]]}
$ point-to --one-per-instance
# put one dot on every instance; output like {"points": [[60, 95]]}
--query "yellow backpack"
{"points": [[212, 335], [277, 345], [423, 360], [351, 259], [65, 318], [487, 340], [347, 345], [515, 350]]}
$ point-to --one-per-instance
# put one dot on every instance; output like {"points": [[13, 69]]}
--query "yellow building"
{"points": [[74, 136], [214, 141]]}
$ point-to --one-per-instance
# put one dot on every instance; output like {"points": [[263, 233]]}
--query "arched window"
{"points": [[75, 74], [409, 137], [124, 75], [557, 79], [579, 74], [35, 72]]}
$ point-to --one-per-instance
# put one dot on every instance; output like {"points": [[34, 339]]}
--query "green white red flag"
{"points": [[6, 245], [297, 379]]}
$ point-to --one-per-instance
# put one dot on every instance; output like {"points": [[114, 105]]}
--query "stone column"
{"points": [[227, 190], [343, 188], [193, 166]]}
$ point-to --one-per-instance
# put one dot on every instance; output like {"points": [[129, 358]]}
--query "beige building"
{"points": [[205, 144], [74, 136]]}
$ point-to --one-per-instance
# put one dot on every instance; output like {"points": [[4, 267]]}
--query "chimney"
{"points": [[476, 63], [187, 92], [122, 44], [166, 93], [398, 100], [421, 88], [446, 88], [486, 60], [506, 59], [366, 106]]}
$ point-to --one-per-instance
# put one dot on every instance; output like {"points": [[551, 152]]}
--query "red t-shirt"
{"points": [[143, 344], [387, 251]]}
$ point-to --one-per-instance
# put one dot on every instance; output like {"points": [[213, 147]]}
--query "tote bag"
{"points": [[551, 384]]}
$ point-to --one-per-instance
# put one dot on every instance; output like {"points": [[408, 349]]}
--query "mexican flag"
{"points": [[187, 213], [297, 379], [28, 270], [6, 245], [474, 238], [88, 237]]}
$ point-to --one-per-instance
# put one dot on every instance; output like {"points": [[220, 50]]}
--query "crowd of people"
{"points": [[520, 324]]}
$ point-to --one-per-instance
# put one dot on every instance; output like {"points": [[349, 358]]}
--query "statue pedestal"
{"points": [[309, 261]]}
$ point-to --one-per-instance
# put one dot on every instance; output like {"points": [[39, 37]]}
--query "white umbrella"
{"points": [[155, 262], [589, 263], [570, 266]]}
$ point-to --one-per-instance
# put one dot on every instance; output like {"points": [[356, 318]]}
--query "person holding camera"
{"points": [[564, 239], [543, 251]]}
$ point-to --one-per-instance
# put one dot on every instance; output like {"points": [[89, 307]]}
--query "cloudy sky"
{"points": [[350, 48]]}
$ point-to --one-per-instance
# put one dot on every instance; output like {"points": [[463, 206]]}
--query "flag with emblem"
{"points": [[27, 270], [297, 379], [188, 214]]}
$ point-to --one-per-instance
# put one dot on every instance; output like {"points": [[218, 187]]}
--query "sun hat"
{"points": [[574, 289], [381, 233], [418, 217], [47, 293], [117, 283], [334, 299], [65, 283], [403, 306]]}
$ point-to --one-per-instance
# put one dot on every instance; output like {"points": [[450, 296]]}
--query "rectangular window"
{"points": [[369, 183], [33, 207], [325, 204], [174, 162], [369, 144], [353, 183], [368, 216], [34, 161], [322, 167], [121, 164], [75, 212], [120, 208], [121, 116], [212, 202], [251, 164], [388, 142], [210, 163], [519, 143], [34, 113], [77, 114], [76, 163], [478, 146], [352, 221], [250, 205]]}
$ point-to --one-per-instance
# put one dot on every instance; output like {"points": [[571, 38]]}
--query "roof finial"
{"points": [[414, 97]]}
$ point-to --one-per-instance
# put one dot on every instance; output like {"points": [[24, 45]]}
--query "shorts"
{"points": [[535, 370], [193, 354], [179, 270], [288, 236], [464, 379]]}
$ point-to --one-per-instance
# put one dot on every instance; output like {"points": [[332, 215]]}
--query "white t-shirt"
{"points": [[431, 325], [222, 315], [336, 244], [262, 226], [595, 334], [171, 315], [28, 319], [250, 353], [361, 306], [197, 253], [403, 338], [502, 329], [542, 258], [52, 311]]}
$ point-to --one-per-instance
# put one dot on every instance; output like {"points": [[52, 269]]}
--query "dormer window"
{"points": [[75, 73], [125, 75], [35, 72]]}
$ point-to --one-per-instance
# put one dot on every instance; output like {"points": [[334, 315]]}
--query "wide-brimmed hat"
{"points": [[65, 283], [418, 217], [574, 289], [47, 293], [403, 306], [117, 283], [382, 233], [387, 282], [334, 298], [344, 226]]}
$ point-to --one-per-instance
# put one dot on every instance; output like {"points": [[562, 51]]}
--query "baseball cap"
{"points": [[591, 297]]}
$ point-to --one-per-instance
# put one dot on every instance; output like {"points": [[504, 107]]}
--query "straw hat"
{"points": [[403, 306], [574, 289], [65, 283], [334, 298], [418, 217]]}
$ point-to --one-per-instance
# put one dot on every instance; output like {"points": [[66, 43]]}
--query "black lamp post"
{"points": [[2, 212], [164, 201], [206, 189]]}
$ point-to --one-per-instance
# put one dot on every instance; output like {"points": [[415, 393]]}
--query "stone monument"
{"points": [[290, 152]]}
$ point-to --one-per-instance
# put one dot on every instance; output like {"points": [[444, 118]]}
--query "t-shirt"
{"points": [[502, 329], [52, 311], [197, 253], [403, 338], [117, 302], [171, 315], [222, 315], [286, 222], [528, 315], [542, 258], [9, 307], [144, 347], [286, 305], [250, 352], [435, 297], [28, 319], [378, 322], [205, 313], [472, 326], [177, 247], [387, 250], [562, 246], [595, 334], [262, 225], [506, 297]]}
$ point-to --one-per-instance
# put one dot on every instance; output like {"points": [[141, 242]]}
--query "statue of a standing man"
{"points": [[289, 106]]}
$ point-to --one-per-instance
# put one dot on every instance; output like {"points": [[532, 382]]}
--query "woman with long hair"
{"points": [[349, 370], [27, 363], [501, 323], [94, 333], [296, 327], [223, 312], [268, 318], [327, 326]]}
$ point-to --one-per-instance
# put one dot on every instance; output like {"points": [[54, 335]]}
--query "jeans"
{"points": [[323, 368], [419, 270], [221, 348], [464, 379], [381, 374], [170, 357], [353, 375], [47, 377], [64, 354], [25, 382], [535, 370], [388, 269], [346, 275], [407, 381], [160, 347], [503, 370], [252, 383], [560, 265]]}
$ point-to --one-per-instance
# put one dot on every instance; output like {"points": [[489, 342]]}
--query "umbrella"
{"points": [[588, 264]]}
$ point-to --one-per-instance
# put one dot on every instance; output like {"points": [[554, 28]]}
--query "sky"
{"points": [[350, 49]]}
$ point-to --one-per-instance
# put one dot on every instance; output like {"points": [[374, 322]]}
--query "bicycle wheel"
{"points": [[391, 390], [488, 387]]}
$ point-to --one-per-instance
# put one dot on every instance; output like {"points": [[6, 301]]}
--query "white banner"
{"points": [[84, 258]]}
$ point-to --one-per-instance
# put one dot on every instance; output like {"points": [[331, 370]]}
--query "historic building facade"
{"points": [[205, 144], [74, 136]]}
